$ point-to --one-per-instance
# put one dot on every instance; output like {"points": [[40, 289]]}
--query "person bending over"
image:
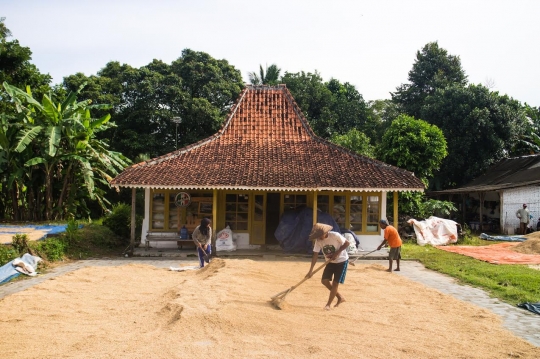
{"points": [[202, 236], [333, 246]]}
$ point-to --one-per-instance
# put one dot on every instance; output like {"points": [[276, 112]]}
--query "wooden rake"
{"points": [[277, 300]]}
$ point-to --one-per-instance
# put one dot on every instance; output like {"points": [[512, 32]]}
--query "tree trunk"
{"points": [[48, 195], [67, 176], [15, 201]]}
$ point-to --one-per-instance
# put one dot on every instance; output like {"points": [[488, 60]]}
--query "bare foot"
{"points": [[339, 301], [389, 270], [397, 269], [327, 307]]}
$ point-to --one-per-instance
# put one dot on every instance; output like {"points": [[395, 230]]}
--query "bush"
{"points": [[7, 254], [20, 244], [51, 249], [119, 221]]}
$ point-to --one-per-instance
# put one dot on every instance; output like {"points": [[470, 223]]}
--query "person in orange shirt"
{"points": [[392, 238]]}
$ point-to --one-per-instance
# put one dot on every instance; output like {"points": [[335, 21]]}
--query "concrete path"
{"points": [[521, 322]]}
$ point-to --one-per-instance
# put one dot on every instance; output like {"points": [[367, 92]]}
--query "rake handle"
{"points": [[362, 256], [303, 280]]}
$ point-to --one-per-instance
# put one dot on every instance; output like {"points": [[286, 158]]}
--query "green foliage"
{"points": [[332, 108], [51, 249], [92, 240], [381, 114], [468, 239], [529, 141], [268, 77], [7, 254], [481, 128], [418, 205], [53, 155], [119, 221], [195, 87], [433, 69], [414, 145], [355, 141], [20, 243], [72, 231], [511, 283]]}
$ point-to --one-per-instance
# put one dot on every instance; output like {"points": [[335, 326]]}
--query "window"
{"points": [[200, 207], [373, 210], [166, 216], [323, 203], [158, 210], [356, 213], [359, 213], [237, 211], [174, 212], [339, 211], [294, 201]]}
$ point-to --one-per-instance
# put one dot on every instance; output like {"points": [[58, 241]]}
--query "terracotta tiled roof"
{"points": [[266, 144]]}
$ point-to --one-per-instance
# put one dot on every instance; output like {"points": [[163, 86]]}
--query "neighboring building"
{"points": [[490, 202], [263, 161]]}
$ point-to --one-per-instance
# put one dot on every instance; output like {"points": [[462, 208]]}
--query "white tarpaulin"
{"points": [[435, 231]]}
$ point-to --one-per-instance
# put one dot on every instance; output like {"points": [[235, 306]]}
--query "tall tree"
{"points": [[15, 68], [529, 141], [332, 108], [414, 145], [481, 128], [355, 141], [381, 114], [268, 77], [433, 69], [59, 138], [196, 87]]}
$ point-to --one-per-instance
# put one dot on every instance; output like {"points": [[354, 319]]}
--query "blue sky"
{"points": [[371, 44]]}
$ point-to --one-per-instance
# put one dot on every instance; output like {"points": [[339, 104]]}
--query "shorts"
{"points": [[336, 271], [395, 253]]}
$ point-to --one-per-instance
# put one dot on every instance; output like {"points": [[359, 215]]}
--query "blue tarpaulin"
{"points": [[294, 228], [532, 307], [487, 237]]}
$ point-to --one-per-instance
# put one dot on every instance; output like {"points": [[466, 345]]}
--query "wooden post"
{"points": [[133, 222], [464, 209], [481, 196]]}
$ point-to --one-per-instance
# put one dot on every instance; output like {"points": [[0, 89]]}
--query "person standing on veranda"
{"points": [[524, 217]]}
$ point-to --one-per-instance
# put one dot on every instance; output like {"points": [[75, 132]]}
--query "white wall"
{"points": [[513, 199]]}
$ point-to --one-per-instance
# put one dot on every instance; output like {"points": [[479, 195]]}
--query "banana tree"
{"points": [[63, 138]]}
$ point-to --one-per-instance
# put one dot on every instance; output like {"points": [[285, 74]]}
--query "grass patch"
{"points": [[90, 241], [511, 283]]}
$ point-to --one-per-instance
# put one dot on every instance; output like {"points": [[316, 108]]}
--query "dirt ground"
{"points": [[530, 246], [7, 233], [224, 311]]}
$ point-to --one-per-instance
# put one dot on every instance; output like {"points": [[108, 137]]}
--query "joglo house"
{"points": [[264, 161]]}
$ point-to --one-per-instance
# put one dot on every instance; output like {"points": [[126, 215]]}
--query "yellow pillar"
{"points": [[314, 207], [214, 216], [396, 209]]}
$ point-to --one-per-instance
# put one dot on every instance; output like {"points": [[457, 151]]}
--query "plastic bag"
{"points": [[224, 240]]}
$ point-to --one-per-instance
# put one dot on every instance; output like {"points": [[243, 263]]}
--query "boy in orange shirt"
{"points": [[391, 236]]}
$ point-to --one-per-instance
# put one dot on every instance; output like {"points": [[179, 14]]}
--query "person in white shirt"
{"points": [[333, 246], [523, 215]]}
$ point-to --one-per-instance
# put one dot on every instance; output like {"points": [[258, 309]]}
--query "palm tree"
{"points": [[270, 77]]}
